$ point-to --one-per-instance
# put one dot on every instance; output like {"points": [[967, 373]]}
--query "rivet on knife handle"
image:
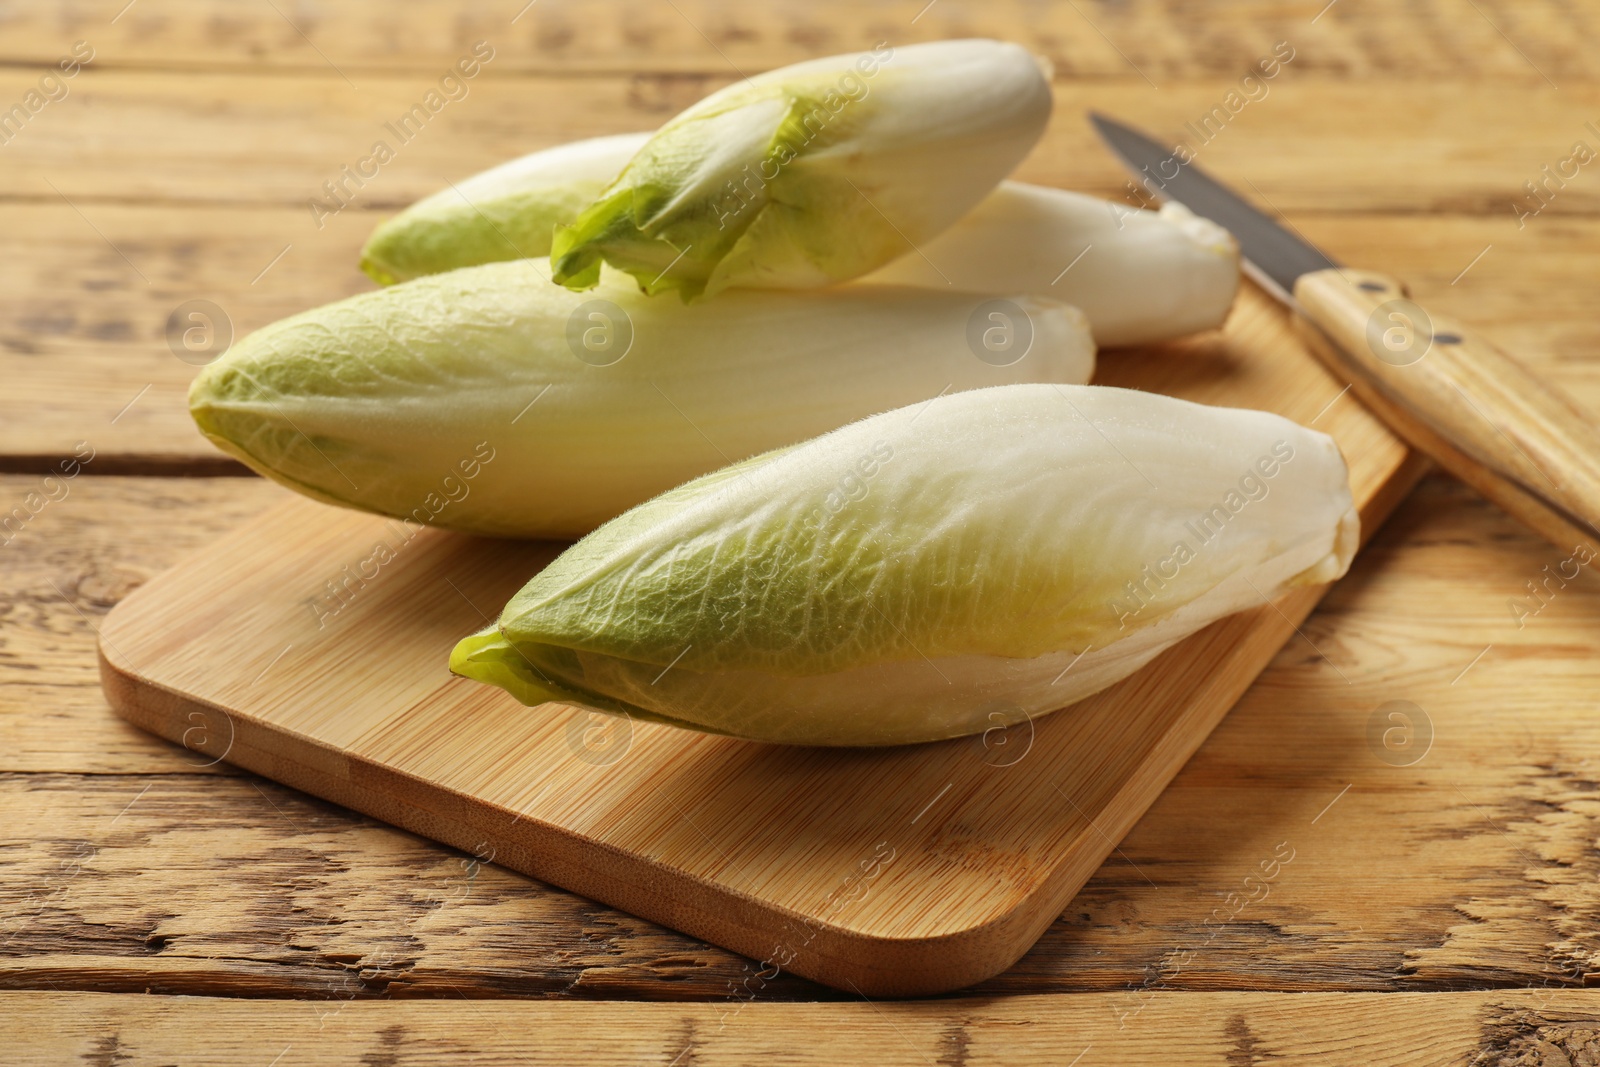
{"points": [[1476, 411]]}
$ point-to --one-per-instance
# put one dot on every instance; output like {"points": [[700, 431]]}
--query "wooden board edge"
{"points": [[829, 953]]}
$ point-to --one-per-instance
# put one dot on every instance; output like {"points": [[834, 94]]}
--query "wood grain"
{"points": [[1310, 144], [1535, 1028], [1165, 39], [1467, 870], [1405, 150], [91, 541], [198, 884]]}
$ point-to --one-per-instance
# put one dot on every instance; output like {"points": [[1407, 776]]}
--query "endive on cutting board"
{"points": [[306, 647], [897, 871]]}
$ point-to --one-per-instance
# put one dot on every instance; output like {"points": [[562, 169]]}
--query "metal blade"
{"points": [[1273, 256]]}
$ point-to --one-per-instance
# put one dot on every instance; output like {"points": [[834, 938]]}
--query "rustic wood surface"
{"points": [[1165, 38], [1521, 1028], [134, 867], [1399, 138]]}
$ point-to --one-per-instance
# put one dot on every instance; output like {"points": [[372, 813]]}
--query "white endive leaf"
{"points": [[814, 173], [489, 400], [931, 571], [1139, 275], [506, 212]]}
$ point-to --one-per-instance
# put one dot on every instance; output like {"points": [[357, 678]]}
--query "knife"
{"points": [[1476, 411]]}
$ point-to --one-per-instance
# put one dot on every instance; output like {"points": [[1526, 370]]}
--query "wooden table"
{"points": [[1442, 903]]}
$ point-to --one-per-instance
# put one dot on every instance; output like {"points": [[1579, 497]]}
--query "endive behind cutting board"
{"points": [[1476, 411]]}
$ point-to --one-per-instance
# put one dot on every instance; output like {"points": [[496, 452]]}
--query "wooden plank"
{"points": [[1311, 144], [1183, 1030], [84, 341], [267, 892], [1465, 869], [85, 544], [81, 336], [1166, 39]]}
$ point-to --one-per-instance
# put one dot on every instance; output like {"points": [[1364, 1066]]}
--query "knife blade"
{"points": [[1274, 256], [1476, 411]]}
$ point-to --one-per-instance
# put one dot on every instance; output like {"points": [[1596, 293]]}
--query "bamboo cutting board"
{"points": [[884, 872]]}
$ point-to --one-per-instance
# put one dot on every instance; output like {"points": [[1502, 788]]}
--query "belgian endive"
{"points": [[489, 400], [506, 212], [814, 173], [1139, 276], [929, 572]]}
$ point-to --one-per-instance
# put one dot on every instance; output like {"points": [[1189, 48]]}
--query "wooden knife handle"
{"points": [[1476, 411]]}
